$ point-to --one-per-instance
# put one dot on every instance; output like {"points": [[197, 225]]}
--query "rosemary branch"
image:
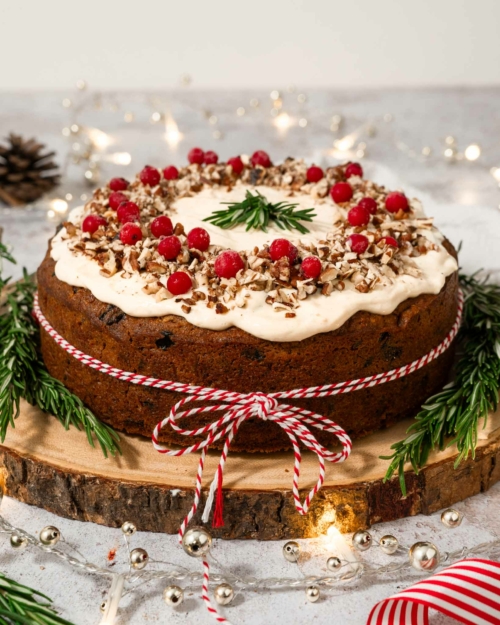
{"points": [[20, 604], [453, 416], [256, 211], [23, 373]]}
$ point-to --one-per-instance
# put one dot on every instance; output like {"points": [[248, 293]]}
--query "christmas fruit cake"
{"points": [[249, 276]]}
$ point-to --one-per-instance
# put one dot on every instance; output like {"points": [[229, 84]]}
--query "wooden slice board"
{"points": [[43, 465]]}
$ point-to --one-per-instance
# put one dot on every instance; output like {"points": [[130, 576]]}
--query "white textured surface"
{"points": [[467, 195]]}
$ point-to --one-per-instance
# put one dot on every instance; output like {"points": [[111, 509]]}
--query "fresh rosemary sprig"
{"points": [[453, 416], [256, 211], [19, 604], [24, 375]]}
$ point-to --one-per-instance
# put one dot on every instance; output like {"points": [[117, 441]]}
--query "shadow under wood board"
{"points": [[44, 465]]}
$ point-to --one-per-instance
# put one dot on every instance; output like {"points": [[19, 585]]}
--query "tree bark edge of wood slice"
{"points": [[43, 465]]}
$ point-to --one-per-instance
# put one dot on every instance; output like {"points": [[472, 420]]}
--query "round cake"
{"points": [[249, 276]]}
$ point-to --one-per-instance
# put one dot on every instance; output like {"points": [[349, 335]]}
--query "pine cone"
{"points": [[25, 172]]}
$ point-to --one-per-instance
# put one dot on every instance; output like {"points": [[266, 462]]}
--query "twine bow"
{"points": [[240, 407]]}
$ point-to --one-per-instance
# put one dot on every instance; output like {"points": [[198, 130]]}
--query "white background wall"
{"points": [[248, 43]]}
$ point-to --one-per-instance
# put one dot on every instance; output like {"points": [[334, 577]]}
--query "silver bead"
{"points": [[197, 542], [103, 606], [128, 528], [224, 594], [173, 595], [312, 594], [50, 536], [333, 563], [291, 551], [451, 517], [362, 540], [138, 558], [389, 544], [424, 556], [17, 541]]}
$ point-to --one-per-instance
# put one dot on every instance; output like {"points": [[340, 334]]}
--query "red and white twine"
{"points": [[238, 408]]}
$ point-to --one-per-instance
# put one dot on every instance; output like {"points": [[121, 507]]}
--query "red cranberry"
{"points": [[130, 234], [169, 247], [211, 157], [314, 174], [282, 248], [118, 184], [117, 198], [179, 283], [92, 222], [128, 211], [170, 173], [369, 203], [359, 243], [396, 201], [237, 164], [228, 263], [358, 216], [311, 267], [199, 239], [353, 169], [341, 192], [390, 241], [150, 175], [196, 155], [260, 158], [162, 227]]}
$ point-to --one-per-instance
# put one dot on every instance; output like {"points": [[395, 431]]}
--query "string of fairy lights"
{"points": [[89, 146], [343, 561]]}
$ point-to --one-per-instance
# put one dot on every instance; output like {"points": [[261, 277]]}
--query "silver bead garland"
{"points": [[224, 594], [424, 556], [291, 551], [50, 535], [312, 594], [362, 540], [196, 542], [451, 518], [173, 595], [139, 558], [389, 544]]}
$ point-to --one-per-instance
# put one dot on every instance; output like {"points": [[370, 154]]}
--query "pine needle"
{"points": [[257, 212], [453, 416], [23, 373]]}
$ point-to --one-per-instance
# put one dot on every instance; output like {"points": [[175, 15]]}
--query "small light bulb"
{"points": [[472, 152]]}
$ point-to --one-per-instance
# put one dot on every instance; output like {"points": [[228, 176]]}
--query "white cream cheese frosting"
{"points": [[316, 314]]}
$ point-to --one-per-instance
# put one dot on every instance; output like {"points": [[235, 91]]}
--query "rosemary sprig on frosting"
{"points": [[453, 416], [24, 375], [257, 212]]}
